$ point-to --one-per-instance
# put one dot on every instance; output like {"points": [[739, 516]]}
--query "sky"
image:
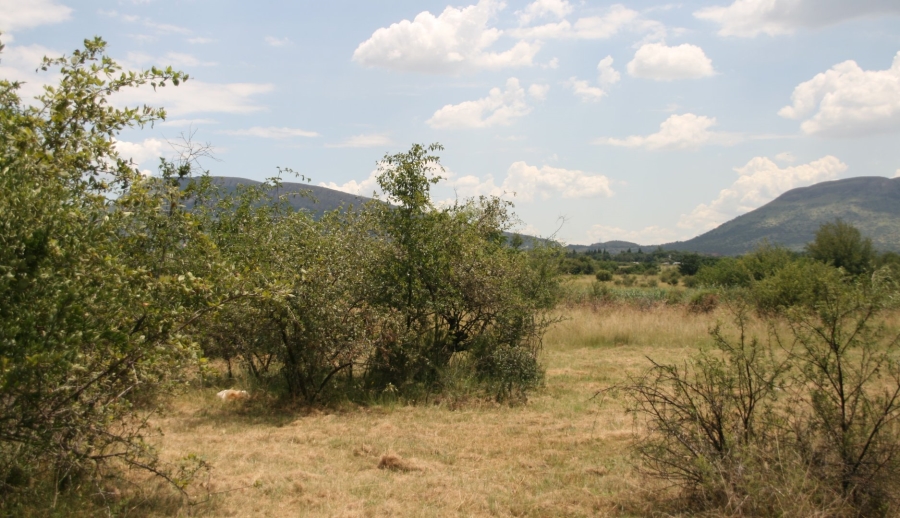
{"points": [[642, 121]]}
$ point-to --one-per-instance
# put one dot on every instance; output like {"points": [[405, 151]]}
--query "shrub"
{"points": [[703, 302], [604, 275], [803, 424], [101, 276]]}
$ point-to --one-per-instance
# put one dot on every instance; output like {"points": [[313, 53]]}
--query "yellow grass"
{"points": [[562, 454]]}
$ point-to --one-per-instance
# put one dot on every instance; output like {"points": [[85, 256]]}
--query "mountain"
{"points": [[870, 203], [613, 247], [302, 196]]}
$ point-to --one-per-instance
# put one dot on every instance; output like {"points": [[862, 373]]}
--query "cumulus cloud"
{"points": [[20, 14], [648, 235], [759, 182], [499, 108], [606, 76], [544, 8], [897, 174], [272, 132], [847, 101], [538, 92], [150, 150], [584, 91], [364, 188], [617, 19], [199, 97], [686, 131], [19, 62], [455, 41], [529, 182], [363, 141], [660, 62], [749, 18]]}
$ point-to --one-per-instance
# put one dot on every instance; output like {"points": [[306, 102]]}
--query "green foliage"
{"points": [[604, 275], [449, 278], [743, 271], [843, 246], [96, 299], [803, 423]]}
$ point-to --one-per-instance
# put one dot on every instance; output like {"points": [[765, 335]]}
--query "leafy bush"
{"points": [[604, 275], [101, 278]]}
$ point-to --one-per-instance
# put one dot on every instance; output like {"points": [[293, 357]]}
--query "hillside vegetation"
{"points": [[871, 204]]}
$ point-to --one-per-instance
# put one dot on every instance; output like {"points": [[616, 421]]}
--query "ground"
{"points": [[564, 453]]}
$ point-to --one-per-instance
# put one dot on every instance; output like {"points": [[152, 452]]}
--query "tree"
{"points": [[98, 284], [842, 245]]}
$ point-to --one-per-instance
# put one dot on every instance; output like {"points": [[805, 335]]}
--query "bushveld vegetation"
{"points": [[406, 359]]}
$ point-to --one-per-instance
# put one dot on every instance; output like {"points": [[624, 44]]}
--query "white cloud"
{"points": [[749, 18], [195, 96], [18, 63], [277, 42], [200, 40], [538, 92], [848, 101], [499, 108], [543, 8], [606, 74], [584, 91], [897, 174], [363, 141], [759, 182], [663, 63], [363, 188], [686, 131], [26, 14], [271, 132], [456, 41], [530, 182], [150, 150], [645, 236], [617, 19]]}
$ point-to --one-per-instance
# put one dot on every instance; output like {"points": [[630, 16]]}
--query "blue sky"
{"points": [[643, 121]]}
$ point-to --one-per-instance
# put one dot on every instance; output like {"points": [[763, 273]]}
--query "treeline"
{"points": [[839, 244], [116, 290]]}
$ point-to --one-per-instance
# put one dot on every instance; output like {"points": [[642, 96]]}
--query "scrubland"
{"points": [[563, 453]]}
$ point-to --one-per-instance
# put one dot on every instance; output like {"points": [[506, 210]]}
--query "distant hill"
{"points": [[302, 196], [870, 203], [613, 247], [318, 200]]}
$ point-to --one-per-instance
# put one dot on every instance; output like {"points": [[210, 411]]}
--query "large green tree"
{"points": [[841, 244], [98, 278]]}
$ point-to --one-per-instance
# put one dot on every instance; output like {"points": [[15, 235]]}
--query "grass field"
{"points": [[561, 454]]}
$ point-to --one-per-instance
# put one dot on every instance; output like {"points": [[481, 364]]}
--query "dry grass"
{"points": [[562, 454]]}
